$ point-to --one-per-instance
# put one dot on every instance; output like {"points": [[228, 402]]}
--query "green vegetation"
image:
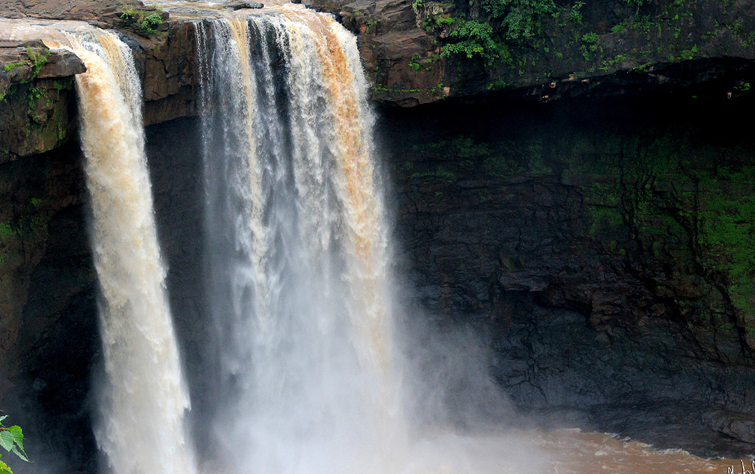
{"points": [[727, 230], [38, 56], [134, 18], [521, 19], [475, 40], [128, 15], [508, 22], [5, 230], [575, 14], [369, 25], [669, 205], [413, 64], [638, 4], [530, 37], [11, 66], [151, 22], [33, 97], [590, 46], [12, 439]]}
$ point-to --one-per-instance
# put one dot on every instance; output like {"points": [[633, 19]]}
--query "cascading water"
{"points": [[142, 426], [295, 249], [306, 378]]}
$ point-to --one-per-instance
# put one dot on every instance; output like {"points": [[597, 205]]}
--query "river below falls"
{"points": [[575, 452], [563, 451]]}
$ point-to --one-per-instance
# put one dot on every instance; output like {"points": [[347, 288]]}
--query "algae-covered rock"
{"points": [[36, 93]]}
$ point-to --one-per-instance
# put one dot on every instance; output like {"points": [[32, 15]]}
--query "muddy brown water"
{"points": [[575, 452]]}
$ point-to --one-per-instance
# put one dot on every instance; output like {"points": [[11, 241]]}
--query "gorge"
{"points": [[592, 229]]}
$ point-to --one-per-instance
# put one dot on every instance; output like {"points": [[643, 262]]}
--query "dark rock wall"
{"points": [[50, 353], [605, 247], [168, 62], [176, 169], [50, 340]]}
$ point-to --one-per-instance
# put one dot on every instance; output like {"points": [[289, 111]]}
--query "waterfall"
{"points": [[143, 405], [296, 250]]}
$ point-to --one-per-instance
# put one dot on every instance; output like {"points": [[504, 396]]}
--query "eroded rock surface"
{"points": [[36, 93], [48, 318], [405, 47], [600, 246], [101, 13]]}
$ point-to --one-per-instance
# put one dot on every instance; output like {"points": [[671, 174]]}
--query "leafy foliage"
{"points": [[637, 3], [128, 15], [509, 21], [140, 19], [38, 57], [476, 41], [520, 18], [575, 14], [151, 22], [12, 439]]}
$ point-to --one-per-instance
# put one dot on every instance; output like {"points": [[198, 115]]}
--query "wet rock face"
{"points": [[601, 247], [176, 170], [36, 93], [48, 317], [604, 246], [168, 62], [37, 88]]}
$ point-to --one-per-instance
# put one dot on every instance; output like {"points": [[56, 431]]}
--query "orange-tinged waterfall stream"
{"points": [[299, 284], [142, 430], [144, 399]]}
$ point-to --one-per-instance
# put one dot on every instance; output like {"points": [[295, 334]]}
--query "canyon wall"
{"points": [[598, 245]]}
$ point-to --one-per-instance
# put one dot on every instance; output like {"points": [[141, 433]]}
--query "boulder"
{"points": [[239, 5]]}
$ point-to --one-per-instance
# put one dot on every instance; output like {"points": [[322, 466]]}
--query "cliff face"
{"points": [[418, 52], [602, 242], [423, 51], [36, 90], [48, 312], [605, 245]]}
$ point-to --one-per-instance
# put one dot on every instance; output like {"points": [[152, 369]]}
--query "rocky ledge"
{"points": [[101, 13], [36, 83], [421, 51], [417, 52], [35, 90]]}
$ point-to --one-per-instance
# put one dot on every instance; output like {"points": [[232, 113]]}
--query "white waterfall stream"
{"points": [[296, 248], [143, 403]]}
